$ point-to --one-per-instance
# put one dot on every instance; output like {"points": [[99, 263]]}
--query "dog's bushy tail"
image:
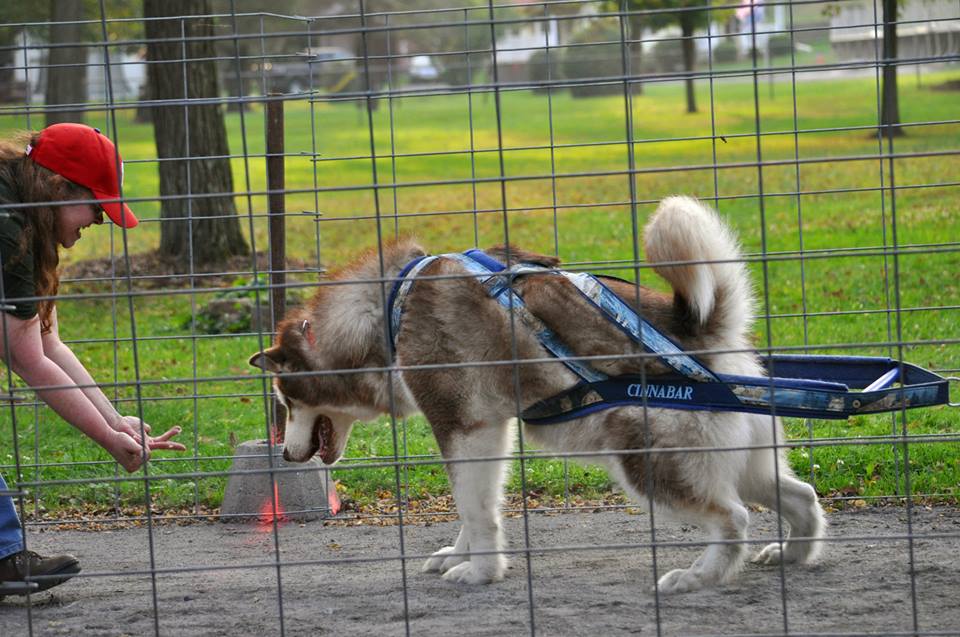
{"points": [[701, 260]]}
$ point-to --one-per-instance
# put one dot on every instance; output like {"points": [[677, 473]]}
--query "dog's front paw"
{"points": [[680, 580], [442, 561], [471, 573]]}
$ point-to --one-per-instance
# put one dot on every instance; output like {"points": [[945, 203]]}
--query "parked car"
{"points": [[327, 68], [422, 69]]}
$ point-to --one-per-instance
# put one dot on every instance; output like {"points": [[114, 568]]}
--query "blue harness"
{"points": [[788, 390]]}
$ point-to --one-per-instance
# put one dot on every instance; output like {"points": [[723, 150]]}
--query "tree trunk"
{"points": [[144, 113], [890, 104], [8, 53], [689, 57], [67, 69], [188, 136]]}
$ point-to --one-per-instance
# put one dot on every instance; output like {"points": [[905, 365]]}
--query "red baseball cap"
{"points": [[88, 158]]}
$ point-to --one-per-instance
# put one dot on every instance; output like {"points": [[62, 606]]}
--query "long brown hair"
{"points": [[34, 184]]}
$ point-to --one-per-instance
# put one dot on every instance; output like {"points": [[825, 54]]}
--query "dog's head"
{"points": [[322, 405], [325, 353]]}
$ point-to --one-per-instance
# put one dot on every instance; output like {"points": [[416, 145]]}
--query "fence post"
{"points": [[276, 203], [276, 213]]}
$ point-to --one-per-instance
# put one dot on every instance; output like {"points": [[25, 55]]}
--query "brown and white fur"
{"points": [[450, 320]]}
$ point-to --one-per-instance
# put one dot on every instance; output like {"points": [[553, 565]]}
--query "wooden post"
{"points": [[276, 213], [277, 209]]}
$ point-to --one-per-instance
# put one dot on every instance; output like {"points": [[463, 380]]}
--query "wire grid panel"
{"points": [[552, 126]]}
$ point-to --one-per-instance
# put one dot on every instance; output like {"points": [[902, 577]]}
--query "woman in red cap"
{"points": [[79, 166]]}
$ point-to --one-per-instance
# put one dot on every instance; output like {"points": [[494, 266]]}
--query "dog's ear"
{"points": [[307, 332], [269, 360]]}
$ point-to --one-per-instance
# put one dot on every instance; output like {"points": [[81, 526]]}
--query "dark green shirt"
{"points": [[18, 279]]}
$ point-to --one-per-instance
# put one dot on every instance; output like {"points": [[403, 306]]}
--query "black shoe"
{"points": [[21, 571]]}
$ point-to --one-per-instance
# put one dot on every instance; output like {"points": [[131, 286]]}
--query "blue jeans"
{"points": [[11, 535]]}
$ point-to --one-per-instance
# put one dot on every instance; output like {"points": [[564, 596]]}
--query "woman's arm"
{"points": [[63, 356], [55, 387]]}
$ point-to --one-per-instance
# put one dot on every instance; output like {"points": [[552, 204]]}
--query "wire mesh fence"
{"points": [[264, 152]]}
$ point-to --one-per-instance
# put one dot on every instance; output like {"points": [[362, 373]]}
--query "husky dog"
{"points": [[330, 358]]}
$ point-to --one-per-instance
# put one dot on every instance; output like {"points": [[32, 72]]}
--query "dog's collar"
{"points": [[801, 386]]}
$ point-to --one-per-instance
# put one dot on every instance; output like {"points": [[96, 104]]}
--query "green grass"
{"points": [[847, 295]]}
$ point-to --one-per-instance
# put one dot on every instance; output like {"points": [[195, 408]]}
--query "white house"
{"points": [[926, 29], [128, 72]]}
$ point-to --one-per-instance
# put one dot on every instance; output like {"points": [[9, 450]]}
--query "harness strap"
{"points": [[612, 307], [498, 287], [496, 279], [401, 287], [615, 310]]}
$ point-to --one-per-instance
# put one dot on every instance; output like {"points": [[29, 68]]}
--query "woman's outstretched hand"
{"points": [[131, 426], [125, 450]]}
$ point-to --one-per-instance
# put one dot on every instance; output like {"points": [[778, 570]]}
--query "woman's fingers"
{"points": [[130, 450], [174, 431], [166, 445], [163, 441]]}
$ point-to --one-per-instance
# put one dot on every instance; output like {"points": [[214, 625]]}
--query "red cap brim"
{"points": [[118, 212]]}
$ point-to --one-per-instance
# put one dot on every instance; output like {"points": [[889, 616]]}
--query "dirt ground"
{"points": [[594, 578]]}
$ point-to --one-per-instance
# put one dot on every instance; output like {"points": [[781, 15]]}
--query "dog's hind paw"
{"points": [[442, 561], [468, 573], [770, 555], [680, 580], [792, 552]]}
